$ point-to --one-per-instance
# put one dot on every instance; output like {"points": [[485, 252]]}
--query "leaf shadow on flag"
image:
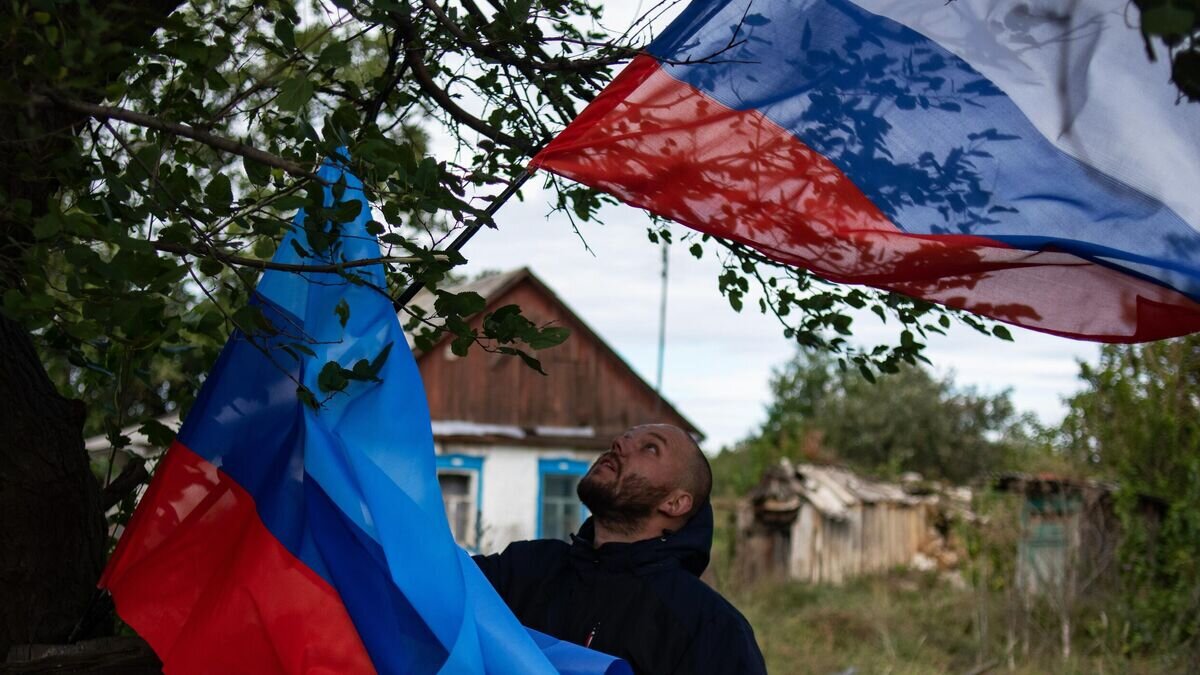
{"points": [[868, 155]]}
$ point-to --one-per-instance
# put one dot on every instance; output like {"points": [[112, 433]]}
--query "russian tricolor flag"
{"points": [[278, 538], [1021, 160]]}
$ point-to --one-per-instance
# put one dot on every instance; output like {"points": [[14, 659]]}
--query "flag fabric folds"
{"points": [[278, 538], [1024, 161]]}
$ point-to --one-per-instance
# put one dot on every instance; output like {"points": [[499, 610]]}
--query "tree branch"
{"points": [[491, 52], [102, 112], [267, 80], [431, 89], [414, 58], [392, 76], [204, 250], [130, 478], [488, 51]]}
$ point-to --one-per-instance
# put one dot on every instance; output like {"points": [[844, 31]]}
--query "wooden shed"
{"points": [[1069, 533], [826, 524]]}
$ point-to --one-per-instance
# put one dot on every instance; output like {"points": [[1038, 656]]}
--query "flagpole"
{"points": [[463, 237], [662, 330]]}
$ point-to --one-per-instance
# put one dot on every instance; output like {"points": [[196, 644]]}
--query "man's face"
{"points": [[641, 469]]}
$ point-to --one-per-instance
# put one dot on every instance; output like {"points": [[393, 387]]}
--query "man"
{"points": [[629, 583]]}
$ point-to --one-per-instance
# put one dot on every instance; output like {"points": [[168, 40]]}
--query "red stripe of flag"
{"points": [[207, 585]]}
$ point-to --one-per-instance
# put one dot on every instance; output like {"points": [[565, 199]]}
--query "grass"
{"points": [[908, 623]]}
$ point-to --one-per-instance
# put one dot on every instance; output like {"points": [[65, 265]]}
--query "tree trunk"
{"points": [[51, 524], [52, 529]]}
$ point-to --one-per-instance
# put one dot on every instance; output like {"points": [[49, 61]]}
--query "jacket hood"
{"points": [[688, 548]]}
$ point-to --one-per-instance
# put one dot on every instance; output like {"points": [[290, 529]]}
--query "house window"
{"points": [[460, 478], [456, 497], [560, 514]]}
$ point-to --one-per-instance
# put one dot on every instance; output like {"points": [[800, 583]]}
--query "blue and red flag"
{"points": [[279, 538], [1023, 161]]}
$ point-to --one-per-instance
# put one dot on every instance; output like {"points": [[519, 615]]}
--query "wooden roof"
{"points": [[589, 395]]}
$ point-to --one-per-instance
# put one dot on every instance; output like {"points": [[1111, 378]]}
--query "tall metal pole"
{"points": [[662, 321], [463, 237]]}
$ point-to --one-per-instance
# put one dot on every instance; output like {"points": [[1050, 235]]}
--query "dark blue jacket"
{"points": [[643, 602]]}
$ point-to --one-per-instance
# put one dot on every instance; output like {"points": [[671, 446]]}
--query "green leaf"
{"points": [[380, 359], [332, 378], [251, 321], [209, 321], [286, 33], [526, 358], [1002, 333], [343, 312], [216, 81], [866, 373], [211, 266], [306, 397], [246, 320], [264, 248], [460, 304], [347, 211], [294, 93], [290, 203], [549, 337], [159, 434], [335, 55], [218, 195], [1168, 19], [302, 348], [461, 344], [368, 371], [257, 173], [361, 370], [47, 226], [841, 324]]}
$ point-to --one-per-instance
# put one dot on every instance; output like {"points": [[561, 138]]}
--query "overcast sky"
{"points": [[718, 362]]}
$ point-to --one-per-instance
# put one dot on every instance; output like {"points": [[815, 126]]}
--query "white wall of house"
{"points": [[509, 489]]}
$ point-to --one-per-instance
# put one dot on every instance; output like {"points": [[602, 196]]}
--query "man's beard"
{"points": [[622, 504]]}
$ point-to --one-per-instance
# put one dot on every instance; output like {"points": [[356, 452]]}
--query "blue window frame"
{"points": [[559, 512], [460, 478]]}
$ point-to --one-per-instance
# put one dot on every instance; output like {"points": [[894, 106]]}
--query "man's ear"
{"points": [[678, 504]]}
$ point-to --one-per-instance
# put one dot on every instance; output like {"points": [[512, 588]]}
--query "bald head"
{"points": [[693, 473], [697, 478]]}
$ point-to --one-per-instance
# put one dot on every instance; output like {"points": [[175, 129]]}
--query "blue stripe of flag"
{"points": [[934, 144]]}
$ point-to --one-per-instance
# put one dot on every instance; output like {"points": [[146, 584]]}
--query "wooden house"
{"points": [[512, 444], [826, 524]]}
